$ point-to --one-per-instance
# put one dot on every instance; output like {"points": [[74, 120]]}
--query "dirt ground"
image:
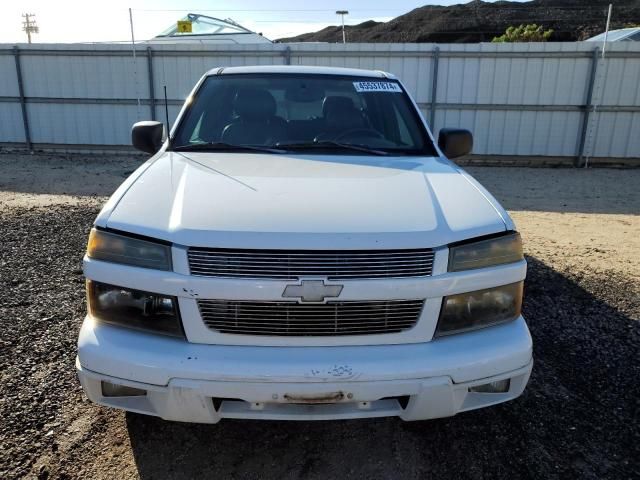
{"points": [[577, 418]]}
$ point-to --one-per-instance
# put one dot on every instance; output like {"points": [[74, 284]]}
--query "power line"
{"points": [[527, 20], [253, 10], [435, 7]]}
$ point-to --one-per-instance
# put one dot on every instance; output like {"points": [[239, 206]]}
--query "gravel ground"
{"points": [[577, 418]]}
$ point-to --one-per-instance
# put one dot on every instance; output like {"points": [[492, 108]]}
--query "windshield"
{"points": [[311, 113]]}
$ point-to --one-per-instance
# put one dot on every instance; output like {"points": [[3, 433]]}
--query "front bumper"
{"points": [[204, 383]]}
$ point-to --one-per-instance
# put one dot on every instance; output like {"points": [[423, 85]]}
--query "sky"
{"points": [[105, 21]]}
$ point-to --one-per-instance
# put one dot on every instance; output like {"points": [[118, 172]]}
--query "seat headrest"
{"points": [[337, 104], [254, 104], [341, 113]]}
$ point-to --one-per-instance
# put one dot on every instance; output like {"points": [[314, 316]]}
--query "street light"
{"points": [[343, 13]]}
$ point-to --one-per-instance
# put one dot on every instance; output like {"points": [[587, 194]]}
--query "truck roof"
{"points": [[301, 69]]}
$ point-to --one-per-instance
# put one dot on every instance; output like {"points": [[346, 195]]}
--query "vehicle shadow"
{"points": [[578, 416]]}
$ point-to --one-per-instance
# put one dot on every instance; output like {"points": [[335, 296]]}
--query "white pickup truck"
{"points": [[300, 248]]}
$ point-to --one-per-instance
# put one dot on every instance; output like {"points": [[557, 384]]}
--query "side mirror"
{"points": [[455, 142], [147, 136]]}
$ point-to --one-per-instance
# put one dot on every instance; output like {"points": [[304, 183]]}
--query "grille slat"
{"points": [[303, 263], [305, 253], [289, 265], [249, 331], [305, 328], [311, 265], [314, 269], [309, 320], [294, 319], [250, 313], [312, 261]]}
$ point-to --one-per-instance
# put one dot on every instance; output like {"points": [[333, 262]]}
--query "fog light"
{"points": [[501, 386], [113, 390]]}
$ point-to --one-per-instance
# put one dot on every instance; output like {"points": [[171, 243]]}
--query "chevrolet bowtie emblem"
{"points": [[312, 291]]}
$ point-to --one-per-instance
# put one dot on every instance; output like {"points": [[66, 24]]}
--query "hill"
{"points": [[479, 21]]}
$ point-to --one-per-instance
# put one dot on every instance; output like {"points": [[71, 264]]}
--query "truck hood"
{"points": [[246, 200]]}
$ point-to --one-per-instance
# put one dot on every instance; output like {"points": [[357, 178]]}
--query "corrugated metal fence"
{"points": [[517, 99]]}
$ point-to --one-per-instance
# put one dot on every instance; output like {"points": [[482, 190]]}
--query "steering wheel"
{"points": [[362, 132]]}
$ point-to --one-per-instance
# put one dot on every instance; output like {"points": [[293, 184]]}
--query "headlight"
{"points": [[134, 309], [112, 247], [482, 308], [485, 253]]}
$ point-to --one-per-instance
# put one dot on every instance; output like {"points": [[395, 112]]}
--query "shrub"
{"points": [[524, 33]]}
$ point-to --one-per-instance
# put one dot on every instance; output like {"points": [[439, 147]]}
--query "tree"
{"points": [[524, 33]]}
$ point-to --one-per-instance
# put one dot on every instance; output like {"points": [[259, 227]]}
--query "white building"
{"points": [[208, 30], [622, 35]]}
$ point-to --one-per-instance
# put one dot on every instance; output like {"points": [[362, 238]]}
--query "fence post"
{"points": [[287, 55], [152, 96], [23, 103], [434, 89], [587, 109]]}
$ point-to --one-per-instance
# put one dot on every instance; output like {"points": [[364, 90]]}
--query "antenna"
{"points": [[166, 110]]}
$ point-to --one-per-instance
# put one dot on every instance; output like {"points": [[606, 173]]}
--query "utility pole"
{"points": [[606, 30], [595, 124], [29, 25], [342, 13], [135, 62]]}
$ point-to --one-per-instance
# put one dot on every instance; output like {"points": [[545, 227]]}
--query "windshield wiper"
{"points": [[330, 144], [194, 147]]}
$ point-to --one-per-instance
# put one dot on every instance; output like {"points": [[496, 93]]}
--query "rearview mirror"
{"points": [[147, 136], [455, 142], [304, 93]]}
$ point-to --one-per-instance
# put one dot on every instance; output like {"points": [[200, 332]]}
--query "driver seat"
{"points": [[340, 115], [256, 122]]}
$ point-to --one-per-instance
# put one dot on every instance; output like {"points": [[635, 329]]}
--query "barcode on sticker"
{"points": [[377, 87]]}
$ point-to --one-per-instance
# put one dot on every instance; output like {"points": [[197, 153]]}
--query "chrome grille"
{"points": [[310, 320], [288, 265]]}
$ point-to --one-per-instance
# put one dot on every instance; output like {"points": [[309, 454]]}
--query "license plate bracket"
{"points": [[315, 399]]}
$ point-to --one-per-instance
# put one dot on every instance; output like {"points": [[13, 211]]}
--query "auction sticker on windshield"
{"points": [[377, 87]]}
